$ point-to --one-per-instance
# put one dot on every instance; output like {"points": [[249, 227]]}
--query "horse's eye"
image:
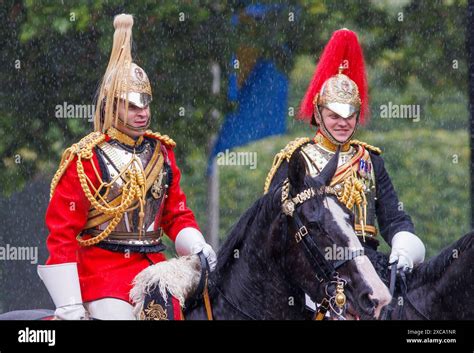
{"points": [[314, 225], [320, 231]]}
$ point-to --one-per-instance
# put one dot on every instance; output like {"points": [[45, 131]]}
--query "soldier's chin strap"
{"points": [[326, 132], [137, 129]]}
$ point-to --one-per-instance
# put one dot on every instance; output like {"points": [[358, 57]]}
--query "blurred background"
{"points": [[206, 60]]}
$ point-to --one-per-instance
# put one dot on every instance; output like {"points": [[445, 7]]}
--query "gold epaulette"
{"points": [[284, 154], [163, 138], [374, 149], [83, 148]]}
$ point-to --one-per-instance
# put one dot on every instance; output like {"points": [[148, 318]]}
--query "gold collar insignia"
{"points": [[323, 141], [124, 138]]}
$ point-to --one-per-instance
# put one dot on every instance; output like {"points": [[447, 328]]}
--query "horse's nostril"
{"points": [[380, 302], [367, 304]]}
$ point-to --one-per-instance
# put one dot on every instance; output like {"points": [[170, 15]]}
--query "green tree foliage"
{"points": [[61, 52], [429, 170], [55, 53]]}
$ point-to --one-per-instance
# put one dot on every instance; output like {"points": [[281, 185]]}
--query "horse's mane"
{"points": [[261, 208], [243, 228], [434, 268], [250, 223]]}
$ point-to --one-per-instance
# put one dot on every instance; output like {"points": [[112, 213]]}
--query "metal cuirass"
{"points": [[114, 158], [360, 168]]}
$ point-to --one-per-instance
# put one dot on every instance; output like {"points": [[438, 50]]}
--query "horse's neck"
{"points": [[261, 290], [445, 297], [256, 283]]}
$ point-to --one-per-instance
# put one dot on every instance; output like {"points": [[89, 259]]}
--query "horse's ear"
{"points": [[325, 177], [296, 170]]}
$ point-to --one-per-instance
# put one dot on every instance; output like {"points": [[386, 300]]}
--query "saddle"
{"points": [[163, 290]]}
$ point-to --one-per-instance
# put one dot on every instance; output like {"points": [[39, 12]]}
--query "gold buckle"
{"points": [[301, 233]]}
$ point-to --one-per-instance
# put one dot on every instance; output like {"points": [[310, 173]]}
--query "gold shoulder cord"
{"points": [[353, 189], [87, 142], [366, 146], [134, 187], [353, 194], [163, 138], [285, 153]]}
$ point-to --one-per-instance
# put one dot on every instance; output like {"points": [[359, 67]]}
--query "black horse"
{"points": [[265, 267], [272, 258], [440, 289], [263, 272]]}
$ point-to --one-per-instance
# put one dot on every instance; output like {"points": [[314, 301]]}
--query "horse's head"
{"points": [[323, 255]]}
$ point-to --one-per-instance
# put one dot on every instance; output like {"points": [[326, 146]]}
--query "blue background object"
{"points": [[262, 109]]}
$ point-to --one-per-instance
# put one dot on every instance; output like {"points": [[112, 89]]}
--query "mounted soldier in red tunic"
{"points": [[115, 194]]}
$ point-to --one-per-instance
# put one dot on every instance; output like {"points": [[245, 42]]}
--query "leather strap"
{"points": [[207, 302], [322, 310], [203, 285], [114, 235]]}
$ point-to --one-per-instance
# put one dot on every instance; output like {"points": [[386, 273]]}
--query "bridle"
{"points": [[325, 270], [388, 310]]}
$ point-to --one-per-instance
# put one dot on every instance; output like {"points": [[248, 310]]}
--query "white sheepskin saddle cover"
{"points": [[179, 276]]}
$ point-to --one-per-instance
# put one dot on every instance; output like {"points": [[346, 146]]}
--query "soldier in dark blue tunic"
{"points": [[336, 102]]}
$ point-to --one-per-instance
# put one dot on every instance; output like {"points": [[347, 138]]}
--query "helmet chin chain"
{"points": [[136, 129], [326, 132]]}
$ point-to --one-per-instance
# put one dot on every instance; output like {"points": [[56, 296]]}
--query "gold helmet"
{"points": [[135, 87], [339, 94], [137, 91], [339, 83], [123, 79]]}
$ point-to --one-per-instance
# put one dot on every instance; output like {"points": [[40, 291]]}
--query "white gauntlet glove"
{"points": [[408, 249], [62, 282], [190, 241]]}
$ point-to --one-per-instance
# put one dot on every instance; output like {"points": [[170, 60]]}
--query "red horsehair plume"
{"points": [[342, 49]]}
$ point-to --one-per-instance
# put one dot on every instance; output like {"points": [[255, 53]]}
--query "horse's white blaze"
{"points": [[364, 266]]}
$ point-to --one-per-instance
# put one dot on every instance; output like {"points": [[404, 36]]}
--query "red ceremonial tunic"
{"points": [[104, 273]]}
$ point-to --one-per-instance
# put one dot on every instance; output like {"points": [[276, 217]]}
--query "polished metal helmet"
{"points": [[135, 87], [339, 94]]}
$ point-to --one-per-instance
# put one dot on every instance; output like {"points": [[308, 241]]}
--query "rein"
{"points": [[202, 290], [404, 292], [325, 271], [234, 306]]}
